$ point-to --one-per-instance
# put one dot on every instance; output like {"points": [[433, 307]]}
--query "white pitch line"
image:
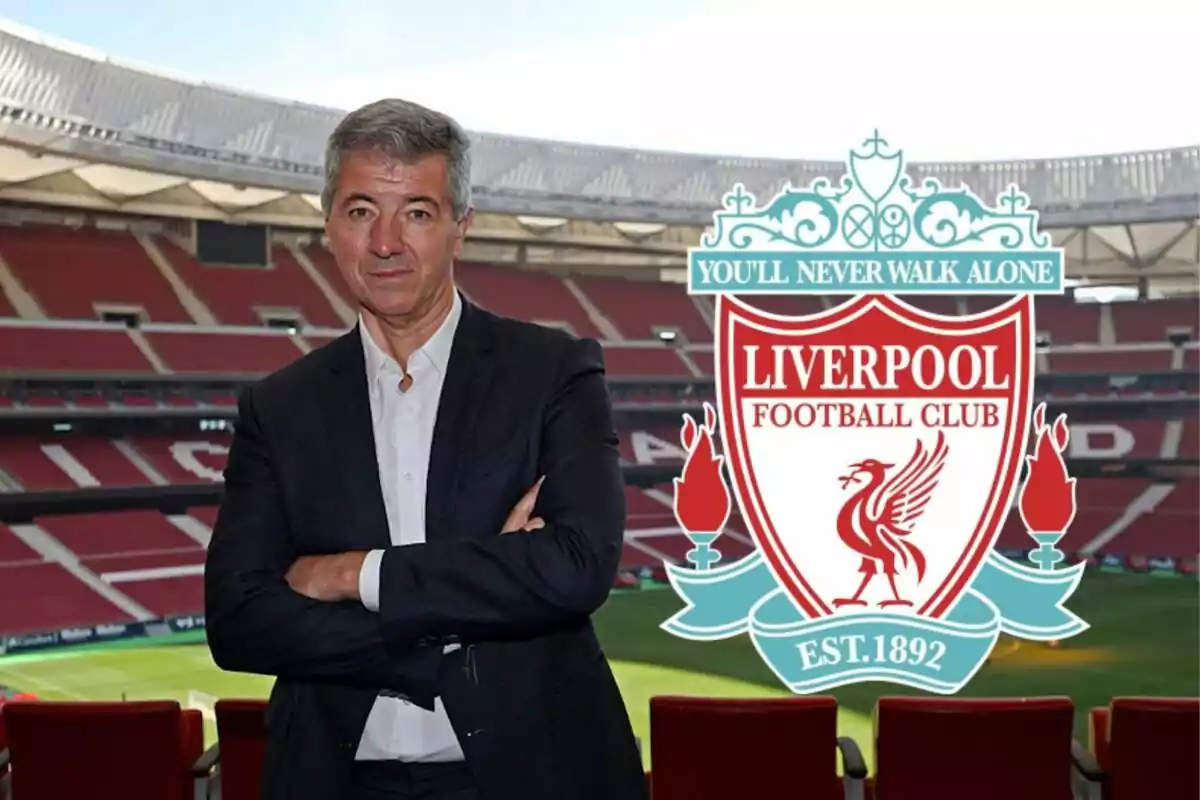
{"points": [[51, 685], [154, 573], [644, 532], [650, 551]]}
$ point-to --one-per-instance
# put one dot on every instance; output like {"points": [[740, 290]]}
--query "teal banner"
{"points": [[816, 654]]}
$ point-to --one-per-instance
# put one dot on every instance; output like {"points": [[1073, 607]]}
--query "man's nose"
{"points": [[387, 236]]}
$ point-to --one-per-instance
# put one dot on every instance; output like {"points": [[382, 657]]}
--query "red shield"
{"points": [[874, 447]]}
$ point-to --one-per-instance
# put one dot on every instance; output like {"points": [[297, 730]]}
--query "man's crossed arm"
{"points": [[269, 612], [346, 576]]}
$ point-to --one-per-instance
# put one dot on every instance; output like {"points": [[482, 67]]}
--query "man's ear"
{"points": [[463, 224]]}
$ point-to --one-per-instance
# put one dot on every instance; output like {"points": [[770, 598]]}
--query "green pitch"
{"points": [[1145, 640]]}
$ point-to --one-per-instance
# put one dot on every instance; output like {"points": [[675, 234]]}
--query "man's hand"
{"points": [[518, 518], [328, 578]]}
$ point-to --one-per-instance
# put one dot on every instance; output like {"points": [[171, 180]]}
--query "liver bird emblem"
{"points": [[878, 518]]}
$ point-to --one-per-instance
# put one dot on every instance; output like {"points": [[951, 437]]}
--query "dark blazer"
{"points": [[530, 693]]}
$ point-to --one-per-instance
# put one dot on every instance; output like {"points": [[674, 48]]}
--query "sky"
{"points": [[943, 79]]}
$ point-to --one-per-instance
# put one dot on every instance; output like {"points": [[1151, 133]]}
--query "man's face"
{"points": [[392, 231]]}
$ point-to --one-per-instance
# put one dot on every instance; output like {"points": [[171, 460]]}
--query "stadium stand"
{"points": [[237, 301], [154, 560], [644, 313], [69, 347], [76, 273], [326, 268], [214, 350], [538, 297], [237, 295]]}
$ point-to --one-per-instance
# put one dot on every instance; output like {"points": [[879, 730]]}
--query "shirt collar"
{"points": [[436, 351]]}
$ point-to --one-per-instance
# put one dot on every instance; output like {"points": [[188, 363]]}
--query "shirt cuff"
{"points": [[368, 579]]}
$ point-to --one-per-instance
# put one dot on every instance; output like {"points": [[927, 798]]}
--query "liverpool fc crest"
{"points": [[875, 449]]}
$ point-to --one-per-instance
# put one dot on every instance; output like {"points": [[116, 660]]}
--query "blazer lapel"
{"points": [[351, 437], [469, 373]]}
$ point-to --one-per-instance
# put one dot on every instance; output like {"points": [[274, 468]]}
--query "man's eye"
{"points": [[420, 213], [357, 213]]}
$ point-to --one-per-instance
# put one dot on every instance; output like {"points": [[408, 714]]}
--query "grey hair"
{"points": [[402, 130]]}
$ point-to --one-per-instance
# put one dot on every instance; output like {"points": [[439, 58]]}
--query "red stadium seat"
{"points": [[233, 293], [323, 261], [765, 743], [1063, 319], [1098, 734], [240, 749], [1111, 362], [62, 599], [214, 351], [982, 749], [70, 347], [1153, 320], [703, 359], [102, 751], [74, 273], [636, 308], [646, 362], [5, 778], [936, 304], [790, 304], [1169, 530], [524, 294], [1147, 747]]}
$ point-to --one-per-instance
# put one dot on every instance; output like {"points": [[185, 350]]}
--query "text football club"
{"points": [[874, 449]]}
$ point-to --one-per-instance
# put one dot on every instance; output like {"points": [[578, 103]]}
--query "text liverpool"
{"points": [[797, 367]]}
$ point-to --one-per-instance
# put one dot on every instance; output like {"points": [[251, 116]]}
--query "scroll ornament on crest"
{"points": [[702, 502]]}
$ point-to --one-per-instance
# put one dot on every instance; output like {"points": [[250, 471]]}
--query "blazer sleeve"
{"points": [[256, 623], [525, 584]]}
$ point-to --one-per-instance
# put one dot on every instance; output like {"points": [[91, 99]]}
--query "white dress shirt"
{"points": [[403, 423]]}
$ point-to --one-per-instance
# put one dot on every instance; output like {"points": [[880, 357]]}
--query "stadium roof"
{"points": [[82, 129]]}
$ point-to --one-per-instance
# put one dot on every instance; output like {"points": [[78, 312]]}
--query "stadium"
{"points": [[161, 248]]}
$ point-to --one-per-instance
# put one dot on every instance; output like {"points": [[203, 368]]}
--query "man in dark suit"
{"points": [[420, 518]]}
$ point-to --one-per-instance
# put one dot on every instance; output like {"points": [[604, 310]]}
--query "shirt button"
{"points": [[408, 476]]}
